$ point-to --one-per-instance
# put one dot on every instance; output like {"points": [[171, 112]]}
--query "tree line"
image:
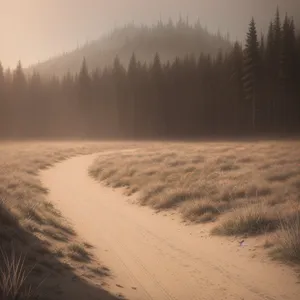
{"points": [[251, 89]]}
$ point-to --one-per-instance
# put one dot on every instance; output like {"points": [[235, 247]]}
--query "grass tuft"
{"points": [[78, 253], [202, 210], [289, 238], [174, 197], [250, 220], [30, 211], [57, 223], [13, 277]]}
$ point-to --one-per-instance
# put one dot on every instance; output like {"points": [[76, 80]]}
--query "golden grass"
{"points": [[289, 238], [28, 220], [247, 188], [202, 210], [78, 252], [252, 219], [204, 182], [13, 277]]}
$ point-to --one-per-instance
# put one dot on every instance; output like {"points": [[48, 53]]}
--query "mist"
{"points": [[34, 30]]}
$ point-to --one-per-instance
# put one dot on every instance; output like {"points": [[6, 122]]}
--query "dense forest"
{"points": [[170, 40], [251, 89]]}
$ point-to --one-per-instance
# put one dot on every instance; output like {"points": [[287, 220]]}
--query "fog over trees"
{"points": [[42, 29], [170, 40], [236, 90]]}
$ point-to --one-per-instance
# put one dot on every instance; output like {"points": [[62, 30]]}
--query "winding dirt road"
{"points": [[152, 256]]}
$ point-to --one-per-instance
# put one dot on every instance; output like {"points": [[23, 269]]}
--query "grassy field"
{"points": [[34, 237], [244, 188]]}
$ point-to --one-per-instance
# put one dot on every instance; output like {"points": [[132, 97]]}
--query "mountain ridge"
{"points": [[168, 39]]}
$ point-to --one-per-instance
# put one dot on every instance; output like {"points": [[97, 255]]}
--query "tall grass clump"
{"points": [[289, 238], [250, 220], [13, 276]]}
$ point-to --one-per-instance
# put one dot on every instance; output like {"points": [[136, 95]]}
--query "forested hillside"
{"points": [[250, 90], [169, 40]]}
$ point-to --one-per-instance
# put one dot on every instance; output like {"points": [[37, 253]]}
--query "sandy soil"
{"points": [[152, 256]]}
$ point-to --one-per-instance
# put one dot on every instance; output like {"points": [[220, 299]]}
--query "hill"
{"points": [[169, 40]]}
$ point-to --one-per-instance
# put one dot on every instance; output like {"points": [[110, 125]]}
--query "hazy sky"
{"points": [[33, 30]]}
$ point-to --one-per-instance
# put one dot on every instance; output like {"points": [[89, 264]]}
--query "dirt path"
{"points": [[155, 257]]}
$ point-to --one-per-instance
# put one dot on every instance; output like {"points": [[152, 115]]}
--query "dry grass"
{"points": [[252, 219], [240, 186], [27, 220], [13, 277], [202, 210], [78, 252], [288, 238], [204, 182]]}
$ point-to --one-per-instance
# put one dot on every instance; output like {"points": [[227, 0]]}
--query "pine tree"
{"points": [[84, 78], [119, 98], [270, 42], [19, 96], [288, 71], [235, 69], [262, 48], [3, 108], [297, 89], [133, 82], [277, 34], [84, 85], [132, 67], [277, 96], [157, 105], [156, 69], [251, 70], [84, 97], [19, 79], [270, 70]]}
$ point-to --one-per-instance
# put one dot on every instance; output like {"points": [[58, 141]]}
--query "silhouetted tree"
{"points": [[84, 96], [251, 70], [3, 103]]}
